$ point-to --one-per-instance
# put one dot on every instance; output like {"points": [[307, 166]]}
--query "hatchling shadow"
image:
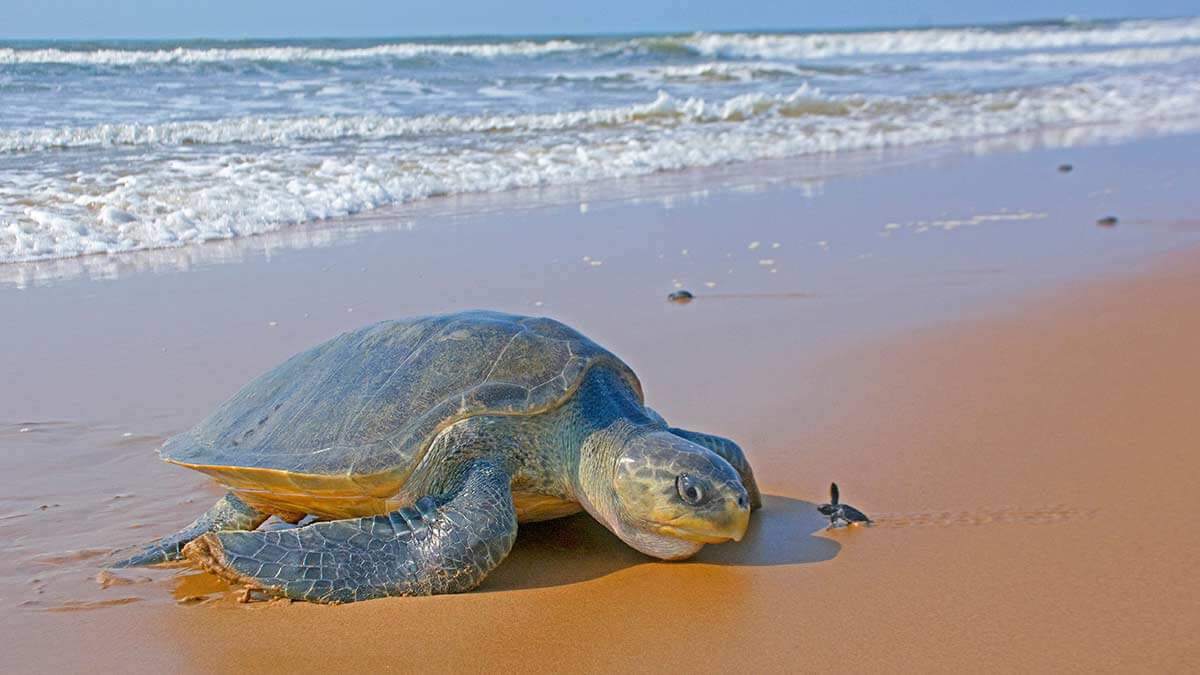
{"points": [[575, 549]]}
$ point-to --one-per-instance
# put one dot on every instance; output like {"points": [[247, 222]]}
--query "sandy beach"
{"points": [[1008, 388]]}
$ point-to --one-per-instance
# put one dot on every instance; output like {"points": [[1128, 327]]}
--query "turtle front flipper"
{"points": [[229, 513], [444, 544], [730, 452]]}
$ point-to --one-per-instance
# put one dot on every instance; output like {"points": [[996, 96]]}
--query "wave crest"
{"points": [[939, 40], [174, 197], [778, 46], [187, 55]]}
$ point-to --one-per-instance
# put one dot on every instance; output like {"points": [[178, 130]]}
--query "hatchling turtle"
{"points": [[418, 445], [841, 515]]}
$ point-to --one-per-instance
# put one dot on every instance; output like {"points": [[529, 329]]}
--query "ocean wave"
{"points": [[938, 40], [173, 196], [189, 55], [1115, 58], [1108, 58], [287, 131], [712, 71], [770, 46]]}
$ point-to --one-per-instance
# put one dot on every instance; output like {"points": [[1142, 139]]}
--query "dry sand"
{"points": [[1014, 402]]}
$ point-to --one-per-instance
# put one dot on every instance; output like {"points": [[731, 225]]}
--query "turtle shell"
{"points": [[354, 415]]}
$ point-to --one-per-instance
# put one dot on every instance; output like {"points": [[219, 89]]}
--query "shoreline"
{"points": [[1003, 395], [755, 174]]}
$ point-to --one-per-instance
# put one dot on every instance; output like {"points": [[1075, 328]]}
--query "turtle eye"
{"points": [[690, 489]]}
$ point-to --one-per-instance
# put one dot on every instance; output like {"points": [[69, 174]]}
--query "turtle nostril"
{"points": [[742, 502]]}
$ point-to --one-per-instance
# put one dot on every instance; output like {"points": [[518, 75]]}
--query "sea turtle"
{"points": [[419, 444], [841, 515]]}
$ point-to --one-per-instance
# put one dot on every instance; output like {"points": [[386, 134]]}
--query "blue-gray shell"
{"points": [[372, 399]]}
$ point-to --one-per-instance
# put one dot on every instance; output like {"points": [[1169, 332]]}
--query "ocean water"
{"points": [[108, 147]]}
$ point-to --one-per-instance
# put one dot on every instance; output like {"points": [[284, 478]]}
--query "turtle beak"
{"points": [[722, 523], [731, 522], [738, 512]]}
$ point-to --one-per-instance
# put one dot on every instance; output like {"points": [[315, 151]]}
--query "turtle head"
{"points": [[666, 496]]}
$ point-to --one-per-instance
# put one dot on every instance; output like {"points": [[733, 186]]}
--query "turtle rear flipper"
{"points": [[853, 515], [444, 544], [229, 513]]}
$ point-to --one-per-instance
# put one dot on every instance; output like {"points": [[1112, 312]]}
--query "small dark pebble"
{"points": [[681, 297], [1065, 168], [1107, 221]]}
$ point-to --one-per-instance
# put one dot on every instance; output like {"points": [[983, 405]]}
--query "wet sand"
{"points": [[1012, 397]]}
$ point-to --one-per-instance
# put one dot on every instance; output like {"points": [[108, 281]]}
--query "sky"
{"points": [[379, 18]]}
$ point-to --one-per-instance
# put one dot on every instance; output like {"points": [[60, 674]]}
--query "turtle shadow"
{"points": [[577, 548], [783, 532]]}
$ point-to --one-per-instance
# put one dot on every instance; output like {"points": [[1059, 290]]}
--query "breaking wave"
{"points": [[130, 146]]}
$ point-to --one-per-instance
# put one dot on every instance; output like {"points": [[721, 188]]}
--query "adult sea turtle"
{"points": [[420, 444]]}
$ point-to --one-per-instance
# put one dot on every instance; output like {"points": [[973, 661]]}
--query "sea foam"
{"points": [[941, 40], [185, 55], [783, 46], [131, 146], [215, 190]]}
